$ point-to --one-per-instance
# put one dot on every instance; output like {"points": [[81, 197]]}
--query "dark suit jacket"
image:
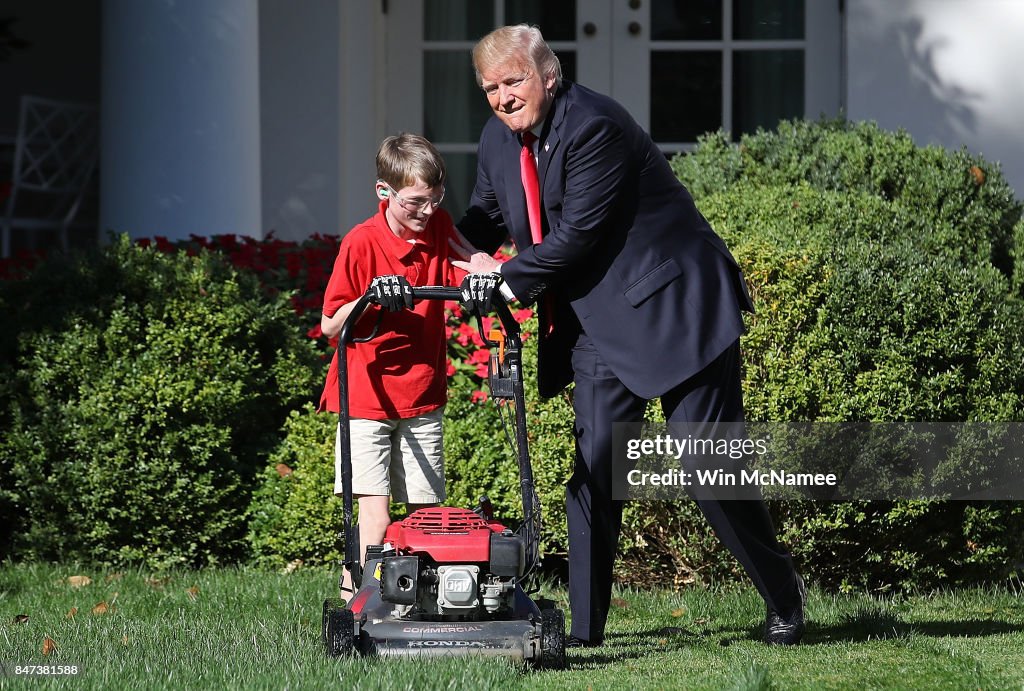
{"points": [[645, 275]]}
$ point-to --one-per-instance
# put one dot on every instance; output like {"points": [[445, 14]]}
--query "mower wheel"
{"points": [[329, 604], [552, 639], [338, 628]]}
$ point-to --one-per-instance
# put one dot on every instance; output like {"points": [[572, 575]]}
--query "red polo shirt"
{"points": [[401, 373]]}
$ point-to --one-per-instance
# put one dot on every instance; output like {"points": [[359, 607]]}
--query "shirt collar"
{"points": [[399, 247]]}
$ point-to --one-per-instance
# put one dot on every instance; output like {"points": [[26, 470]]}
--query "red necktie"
{"points": [[531, 186], [528, 171]]}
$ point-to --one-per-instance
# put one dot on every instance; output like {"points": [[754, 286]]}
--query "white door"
{"points": [[682, 67]]}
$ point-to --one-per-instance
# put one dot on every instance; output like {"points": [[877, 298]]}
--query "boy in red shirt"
{"points": [[397, 382]]}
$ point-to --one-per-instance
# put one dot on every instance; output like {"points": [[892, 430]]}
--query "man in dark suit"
{"points": [[638, 299]]}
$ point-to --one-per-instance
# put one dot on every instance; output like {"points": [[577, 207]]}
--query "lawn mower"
{"points": [[447, 581]]}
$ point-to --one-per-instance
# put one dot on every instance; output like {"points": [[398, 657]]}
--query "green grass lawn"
{"points": [[244, 628]]}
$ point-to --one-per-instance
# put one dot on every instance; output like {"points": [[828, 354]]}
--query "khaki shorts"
{"points": [[402, 458]]}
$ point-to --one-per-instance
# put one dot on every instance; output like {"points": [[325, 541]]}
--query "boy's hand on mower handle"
{"points": [[478, 291], [392, 292]]}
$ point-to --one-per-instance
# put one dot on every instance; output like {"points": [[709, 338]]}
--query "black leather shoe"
{"points": [[789, 629], [574, 642]]}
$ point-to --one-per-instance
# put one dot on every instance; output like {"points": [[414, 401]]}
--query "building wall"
{"points": [[319, 99], [947, 71], [363, 59], [300, 120]]}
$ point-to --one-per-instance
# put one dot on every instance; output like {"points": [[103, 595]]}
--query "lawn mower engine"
{"points": [[450, 563], [446, 582]]}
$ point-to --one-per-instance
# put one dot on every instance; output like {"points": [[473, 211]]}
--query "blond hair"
{"points": [[520, 43], [405, 158]]}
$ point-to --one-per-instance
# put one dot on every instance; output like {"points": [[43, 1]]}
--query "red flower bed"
{"points": [[19, 265]]}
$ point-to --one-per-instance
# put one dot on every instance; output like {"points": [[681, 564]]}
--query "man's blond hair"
{"points": [[520, 43]]}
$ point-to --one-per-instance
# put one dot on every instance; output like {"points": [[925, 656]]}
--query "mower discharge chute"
{"points": [[447, 581]]}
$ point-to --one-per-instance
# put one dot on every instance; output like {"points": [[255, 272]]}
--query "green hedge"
{"points": [[854, 326], [887, 279], [962, 201], [851, 326], [294, 514], [142, 392]]}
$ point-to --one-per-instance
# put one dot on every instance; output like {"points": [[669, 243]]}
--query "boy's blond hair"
{"points": [[405, 158]]}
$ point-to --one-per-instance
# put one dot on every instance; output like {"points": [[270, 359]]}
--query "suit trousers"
{"points": [[594, 518]]}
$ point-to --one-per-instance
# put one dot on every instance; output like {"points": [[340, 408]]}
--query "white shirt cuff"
{"points": [[506, 291]]}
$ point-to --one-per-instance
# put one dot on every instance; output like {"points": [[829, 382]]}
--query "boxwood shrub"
{"points": [[851, 326], [887, 279], [142, 392], [294, 514], [963, 200]]}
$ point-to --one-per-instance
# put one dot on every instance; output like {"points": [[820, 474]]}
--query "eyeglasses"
{"points": [[416, 203]]}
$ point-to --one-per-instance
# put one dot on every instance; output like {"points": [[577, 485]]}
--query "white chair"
{"points": [[56, 151]]}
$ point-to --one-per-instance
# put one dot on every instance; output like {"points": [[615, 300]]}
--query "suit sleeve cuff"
{"points": [[506, 291]]}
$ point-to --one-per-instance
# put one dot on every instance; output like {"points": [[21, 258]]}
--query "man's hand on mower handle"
{"points": [[478, 292], [392, 292]]}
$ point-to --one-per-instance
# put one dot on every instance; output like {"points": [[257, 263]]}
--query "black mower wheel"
{"points": [[329, 604], [552, 639], [338, 628]]}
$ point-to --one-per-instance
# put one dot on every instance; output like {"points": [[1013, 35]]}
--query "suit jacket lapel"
{"points": [[551, 140]]}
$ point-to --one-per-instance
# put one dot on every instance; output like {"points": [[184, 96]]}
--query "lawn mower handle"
{"points": [[513, 338], [513, 350]]}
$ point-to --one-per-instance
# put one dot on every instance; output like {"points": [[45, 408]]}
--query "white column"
{"points": [[180, 118]]}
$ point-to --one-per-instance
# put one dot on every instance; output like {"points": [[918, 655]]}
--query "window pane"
{"points": [[457, 20], [454, 107], [568, 60], [557, 20], [686, 94], [686, 20], [767, 19], [461, 176], [768, 86]]}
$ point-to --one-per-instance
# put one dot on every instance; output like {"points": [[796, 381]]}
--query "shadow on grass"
{"points": [[873, 630], [623, 647], [877, 623], [866, 623], [619, 647]]}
